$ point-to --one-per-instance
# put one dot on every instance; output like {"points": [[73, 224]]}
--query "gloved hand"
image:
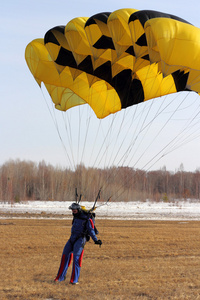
{"points": [[99, 242]]}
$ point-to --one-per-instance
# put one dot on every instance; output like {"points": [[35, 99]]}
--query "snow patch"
{"points": [[177, 210]]}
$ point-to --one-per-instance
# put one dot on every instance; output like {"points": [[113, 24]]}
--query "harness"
{"points": [[86, 217]]}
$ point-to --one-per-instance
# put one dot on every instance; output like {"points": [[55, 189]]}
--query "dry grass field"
{"points": [[138, 260]]}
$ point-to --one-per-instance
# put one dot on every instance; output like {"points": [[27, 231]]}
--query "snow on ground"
{"points": [[177, 210]]}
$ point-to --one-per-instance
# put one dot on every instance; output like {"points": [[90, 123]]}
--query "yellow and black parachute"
{"points": [[114, 60]]}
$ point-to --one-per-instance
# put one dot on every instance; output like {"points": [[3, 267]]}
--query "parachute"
{"points": [[112, 62]]}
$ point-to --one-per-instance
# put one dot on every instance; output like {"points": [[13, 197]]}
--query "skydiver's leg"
{"points": [[65, 261], [77, 261]]}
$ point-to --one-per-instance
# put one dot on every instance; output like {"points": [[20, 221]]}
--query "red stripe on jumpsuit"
{"points": [[80, 264], [92, 224], [73, 273], [61, 267], [70, 259], [81, 258]]}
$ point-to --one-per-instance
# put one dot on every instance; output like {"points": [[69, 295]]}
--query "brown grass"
{"points": [[138, 260]]}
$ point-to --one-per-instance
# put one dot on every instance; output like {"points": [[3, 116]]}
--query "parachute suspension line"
{"points": [[95, 141], [67, 126], [82, 138], [98, 160], [102, 156], [108, 137], [190, 126], [161, 129], [142, 129], [53, 116], [85, 142], [159, 112], [144, 126], [135, 135], [68, 132], [118, 135], [85, 139], [159, 158], [171, 142], [133, 118], [147, 169], [125, 113], [125, 121], [169, 151], [108, 141], [89, 129], [100, 146], [124, 137], [79, 133], [175, 139], [187, 140], [118, 127], [114, 174], [102, 152], [185, 129]]}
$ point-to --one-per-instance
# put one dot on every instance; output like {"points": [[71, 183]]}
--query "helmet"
{"points": [[75, 206]]}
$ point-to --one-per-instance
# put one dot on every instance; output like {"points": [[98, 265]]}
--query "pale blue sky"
{"points": [[27, 131]]}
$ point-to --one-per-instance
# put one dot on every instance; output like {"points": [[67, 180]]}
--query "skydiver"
{"points": [[82, 227]]}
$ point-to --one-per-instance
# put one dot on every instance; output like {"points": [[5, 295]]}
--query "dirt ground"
{"points": [[138, 260]]}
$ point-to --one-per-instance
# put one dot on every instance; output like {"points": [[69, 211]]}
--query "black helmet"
{"points": [[75, 206]]}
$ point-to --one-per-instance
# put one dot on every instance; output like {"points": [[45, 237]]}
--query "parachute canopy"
{"points": [[114, 60]]}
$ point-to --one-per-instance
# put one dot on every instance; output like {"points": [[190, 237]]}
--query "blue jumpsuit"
{"points": [[74, 247]]}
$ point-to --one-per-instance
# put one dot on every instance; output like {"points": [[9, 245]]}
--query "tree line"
{"points": [[26, 180]]}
